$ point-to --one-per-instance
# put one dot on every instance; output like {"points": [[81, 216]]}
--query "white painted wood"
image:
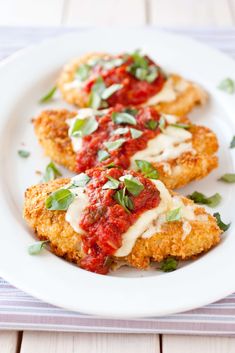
{"points": [[52, 342], [31, 12], [104, 12], [197, 344], [8, 341], [190, 12]]}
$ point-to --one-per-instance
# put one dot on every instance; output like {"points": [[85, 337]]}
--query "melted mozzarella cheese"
{"points": [[169, 144]]}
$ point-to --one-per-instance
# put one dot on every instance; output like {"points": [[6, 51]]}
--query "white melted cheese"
{"points": [[170, 144], [169, 92]]}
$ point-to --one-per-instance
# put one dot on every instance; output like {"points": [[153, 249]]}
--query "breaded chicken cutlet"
{"points": [[96, 230], [180, 151], [100, 80]]}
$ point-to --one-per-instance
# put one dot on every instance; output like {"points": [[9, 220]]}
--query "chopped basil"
{"points": [[141, 69], [109, 64], [111, 184], [200, 198], [121, 131], [131, 111], [232, 143], [228, 178], [114, 145], [59, 200], [124, 200], [135, 134], [181, 126], [103, 155], [133, 185], [108, 92], [84, 127], [123, 118], [83, 72], [227, 85], [147, 169], [23, 153], [48, 96], [168, 265], [221, 224], [37, 247], [162, 123], [96, 92], [51, 172], [173, 215], [111, 165], [80, 180], [152, 124]]}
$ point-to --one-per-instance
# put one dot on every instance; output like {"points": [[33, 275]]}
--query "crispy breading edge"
{"points": [[66, 243], [52, 132], [183, 104]]}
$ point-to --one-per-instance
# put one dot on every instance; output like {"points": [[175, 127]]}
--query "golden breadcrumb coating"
{"points": [[52, 131], [185, 100], [171, 241]]}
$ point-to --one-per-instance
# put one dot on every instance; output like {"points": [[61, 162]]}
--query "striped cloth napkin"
{"points": [[20, 311]]}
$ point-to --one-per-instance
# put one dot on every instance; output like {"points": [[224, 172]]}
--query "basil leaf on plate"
{"points": [[162, 123], [141, 69], [49, 95], [168, 265], [59, 200], [111, 184], [80, 180], [152, 124], [83, 72], [114, 145], [147, 169], [84, 127], [37, 247], [221, 224], [109, 91], [232, 143], [227, 85], [228, 178], [135, 134], [96, 92], [133, 185], [202, 199], [51, 172], [121, 131], [173, 215], [123, 200], [131, 111], [103, 155], [181, 126], [23, 153], [123, 118]]}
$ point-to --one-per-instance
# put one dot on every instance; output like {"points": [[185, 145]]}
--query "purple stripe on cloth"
{"points": [[19, 311]]}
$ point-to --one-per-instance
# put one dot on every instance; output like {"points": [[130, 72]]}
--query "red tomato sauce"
{"points": [[134, 91], [104, 220], [87, 156]]}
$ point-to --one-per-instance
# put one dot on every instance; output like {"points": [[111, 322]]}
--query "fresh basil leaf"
{"points": [[141, 69], [152, 124], [103, 155], [162, 123], [80, 180], [111, 184], [109, 91], [96, 92], [173, 215], [227, 85], [123, 118], [221, 224], [133, 185], [110, 165], [84, 127], [232, 143], [135, 134], [37, 247], [228, 178], [201, 199], [114, 145], [152, 74], [168, 265], [111, 63], [23, 153], [59, 200], [123, 200], [83, 72], [51, 172], [147, 169], [131, 111], [121, 131], [181, 126], [48, 96]]}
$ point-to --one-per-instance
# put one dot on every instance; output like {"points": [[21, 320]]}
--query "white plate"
{"points": [[129, 293]]}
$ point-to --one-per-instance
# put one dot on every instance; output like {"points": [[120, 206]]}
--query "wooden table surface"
{"points": [[114, 12]]}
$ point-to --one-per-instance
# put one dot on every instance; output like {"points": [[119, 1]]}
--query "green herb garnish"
{"points": [[83, 72], [37, 247], [59, 200], [152, 124], [227, 85], [162, 123], [168, 265], [111, 184], [48, 96], [133, 185], [201, 199], [114, 145], [135, 134], [228, 178], [181, 126], [123, 118], [108, 92], [147, 169], [96, 92], [51, 172], [23, 153], [124, 200], [173, 215], [81, 180], [221, 224], [141, 69], [131, 111], [120, 131], [232, 143], [84, 127], [103, 155]]}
